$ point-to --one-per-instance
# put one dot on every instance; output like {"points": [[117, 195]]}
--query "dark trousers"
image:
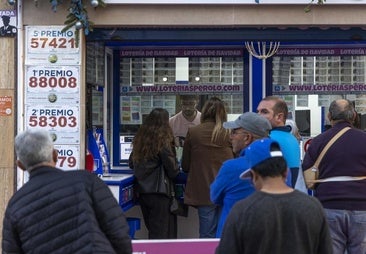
{"points": [[160, 223]]}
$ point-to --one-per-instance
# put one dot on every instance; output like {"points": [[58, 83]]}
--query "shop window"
{"points": [[303, 80], [150, 82], [155, 75]]}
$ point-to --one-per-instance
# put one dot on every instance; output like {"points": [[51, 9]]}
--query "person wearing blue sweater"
{"points": [[275, 110], [228, 188]]}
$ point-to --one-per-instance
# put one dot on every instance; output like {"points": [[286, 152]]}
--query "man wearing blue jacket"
{"points": [[228, 188], [275, 110]]}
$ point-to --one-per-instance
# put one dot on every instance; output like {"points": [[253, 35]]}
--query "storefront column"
{"points": [[7, 118], [257, 72]]}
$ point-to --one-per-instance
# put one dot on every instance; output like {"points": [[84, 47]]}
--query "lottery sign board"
{"points": [[68, 157], [52, 89], [51, 44], [40, 79], [53, 117]]}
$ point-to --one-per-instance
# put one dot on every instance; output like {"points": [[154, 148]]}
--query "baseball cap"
{"points": [[252, 122], [257, 152]]}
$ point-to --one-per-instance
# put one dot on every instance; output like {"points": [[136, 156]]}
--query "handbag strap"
{"points": [[340, 179], [330, 143]]}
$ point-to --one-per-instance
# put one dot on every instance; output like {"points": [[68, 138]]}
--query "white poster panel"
{"points": [[51, 97], [63, 118], [48, 44], [66, 137], [44, 79], [68, 157], [52, 89]]}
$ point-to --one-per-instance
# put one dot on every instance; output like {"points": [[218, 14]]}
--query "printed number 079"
{"points": [[70, 161]]}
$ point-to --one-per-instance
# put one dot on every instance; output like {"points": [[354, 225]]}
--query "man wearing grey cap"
{"points": [[227, 188], [276, 218]]}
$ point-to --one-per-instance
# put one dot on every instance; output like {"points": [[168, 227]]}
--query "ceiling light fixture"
{"points": [[261, 49]]}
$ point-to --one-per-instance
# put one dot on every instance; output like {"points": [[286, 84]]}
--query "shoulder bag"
{"points": [[167, 186], [311, 174]]}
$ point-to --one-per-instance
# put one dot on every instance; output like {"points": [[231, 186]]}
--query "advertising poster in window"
{"points": [[131, 110]]}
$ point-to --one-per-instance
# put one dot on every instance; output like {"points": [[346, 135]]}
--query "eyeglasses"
{"points": [[236, 132]]}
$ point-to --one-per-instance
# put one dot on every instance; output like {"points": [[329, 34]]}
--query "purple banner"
{"points": [[310, 51], [319, 89], [174, 89], [181, 246], [182, 52]]}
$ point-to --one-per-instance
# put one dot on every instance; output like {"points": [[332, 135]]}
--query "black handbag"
{"points": [[163, 182], [155, 182], [166, 185], [178, 207], [158, 182]]}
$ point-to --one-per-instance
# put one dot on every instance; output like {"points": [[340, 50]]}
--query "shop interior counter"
{"points": [[121, 186]]}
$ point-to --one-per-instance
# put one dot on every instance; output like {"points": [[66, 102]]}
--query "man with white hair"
{"points": [[60, 211]]}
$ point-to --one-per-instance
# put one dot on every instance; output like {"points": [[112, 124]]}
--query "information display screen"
{"points": [[125, 147]]}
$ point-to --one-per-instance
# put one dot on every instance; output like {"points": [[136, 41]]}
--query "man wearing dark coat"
{"points": [[58, 211]]}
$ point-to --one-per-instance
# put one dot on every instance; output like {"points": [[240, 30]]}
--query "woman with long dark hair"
{"points": [[153, 157]]}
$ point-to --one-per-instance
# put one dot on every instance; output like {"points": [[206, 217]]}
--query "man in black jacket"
{"points": [[58, 211]]}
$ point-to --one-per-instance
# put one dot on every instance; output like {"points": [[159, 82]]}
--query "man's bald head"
{"points": [[341, 110]]}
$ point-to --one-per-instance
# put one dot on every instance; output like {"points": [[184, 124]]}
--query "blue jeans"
{"points": [[208, 218], [348, 231]]}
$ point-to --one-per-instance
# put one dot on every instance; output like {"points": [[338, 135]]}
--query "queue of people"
{"points": [[275, 218], [241, 178]]}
